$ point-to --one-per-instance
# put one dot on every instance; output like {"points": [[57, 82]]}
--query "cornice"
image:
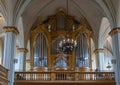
{"points": [[10, 29], [114, 31], [99, 50], [22, 50]]}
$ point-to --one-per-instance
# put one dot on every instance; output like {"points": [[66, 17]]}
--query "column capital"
{"points": [[114, 31], [10, 29], [28, 61], [99, 50], [22, 50]]}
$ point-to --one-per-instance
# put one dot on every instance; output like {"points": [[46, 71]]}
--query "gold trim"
{"points": [[10, 29], [22, 50], [99, 50], [53, 35], [114, 31]]}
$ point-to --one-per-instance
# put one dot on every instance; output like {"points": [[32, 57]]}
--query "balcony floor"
{"points": [[23, 82]]}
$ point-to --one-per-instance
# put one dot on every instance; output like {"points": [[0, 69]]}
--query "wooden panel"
{"points": [[3, 75], [66, 83], [64, 75]]}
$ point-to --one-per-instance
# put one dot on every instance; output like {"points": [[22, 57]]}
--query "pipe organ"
{"points": [[46, 37]]}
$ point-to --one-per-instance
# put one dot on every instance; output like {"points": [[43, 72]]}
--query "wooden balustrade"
{"points": [[32, 75], [3, 76], [95, 75], [64, 75], [3, 72]]}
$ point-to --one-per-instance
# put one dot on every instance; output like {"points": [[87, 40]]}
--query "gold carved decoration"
{"points": [[10, 29], [36, 31], [83, 21], [34, 34], [40, 20], [51, 36], [22, 50], [114, 31]]}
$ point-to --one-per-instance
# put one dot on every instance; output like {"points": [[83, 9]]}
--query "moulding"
{"points": [[10, 29], [114, 31]]}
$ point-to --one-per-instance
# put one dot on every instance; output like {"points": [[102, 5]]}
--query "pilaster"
{"points": [[100, 58], [22, 58]]}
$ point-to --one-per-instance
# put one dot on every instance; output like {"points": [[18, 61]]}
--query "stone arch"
{"points": [[21, 32], [105, 41], [104, 31]]}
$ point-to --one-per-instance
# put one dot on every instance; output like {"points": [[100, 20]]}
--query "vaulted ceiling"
{"points": [[31, 10]]}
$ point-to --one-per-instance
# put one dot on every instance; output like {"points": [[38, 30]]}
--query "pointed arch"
{"points": [[82, 53], [105, 41], [104, 31], [40, 51], [21, 32]]}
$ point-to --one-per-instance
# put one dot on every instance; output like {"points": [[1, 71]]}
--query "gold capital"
{"points": [[99, 50], [114, 31], [22, 50], [10, 29]]}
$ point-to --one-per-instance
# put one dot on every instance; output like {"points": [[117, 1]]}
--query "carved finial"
{"points": [[83, 21], [40, 20]]}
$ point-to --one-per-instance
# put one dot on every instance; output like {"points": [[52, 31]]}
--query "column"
{"points": [[100, 58], [115, 34], [9, 51], [22, 58]]}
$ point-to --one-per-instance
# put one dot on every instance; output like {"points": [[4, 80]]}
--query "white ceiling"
{"points": [[43, 8], [31, 10]]}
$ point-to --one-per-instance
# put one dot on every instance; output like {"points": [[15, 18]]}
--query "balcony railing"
{"points": [[3, 72], [64, 76], [3, 75]]}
